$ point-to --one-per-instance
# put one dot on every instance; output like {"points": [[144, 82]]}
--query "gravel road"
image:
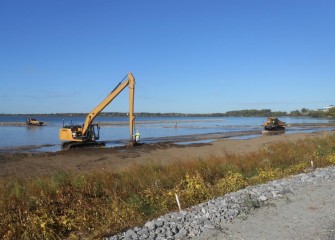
{"points": [[299, 207], [307, 213]]}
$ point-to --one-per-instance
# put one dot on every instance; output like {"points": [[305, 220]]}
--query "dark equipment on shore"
{"points": [[274, 125]]}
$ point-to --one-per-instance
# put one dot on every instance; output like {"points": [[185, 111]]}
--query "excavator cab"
{"points": [[93, 132], [73, 135]]}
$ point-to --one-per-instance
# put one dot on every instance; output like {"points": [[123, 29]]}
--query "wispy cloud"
{"points": [[282, 102], [39, 95], [51, 94]]}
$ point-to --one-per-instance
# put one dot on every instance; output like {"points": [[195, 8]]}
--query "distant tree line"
{"points": [[238, 113], [255, 113], [313, 113]]}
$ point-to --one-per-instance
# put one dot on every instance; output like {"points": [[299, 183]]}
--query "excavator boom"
{"points": [[129, 80]]}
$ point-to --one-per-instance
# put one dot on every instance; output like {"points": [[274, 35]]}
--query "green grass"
{"points": [[70, 205]]}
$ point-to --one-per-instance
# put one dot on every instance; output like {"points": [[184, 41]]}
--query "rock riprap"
{"points": [[214, 214]]}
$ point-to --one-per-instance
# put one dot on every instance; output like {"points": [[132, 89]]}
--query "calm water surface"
{"points": [[149, 127]]}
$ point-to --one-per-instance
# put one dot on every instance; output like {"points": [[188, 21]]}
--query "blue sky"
{"points": [[191, 56]]}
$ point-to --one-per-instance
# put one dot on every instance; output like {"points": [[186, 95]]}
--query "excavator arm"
{"points": [[129, 80]]}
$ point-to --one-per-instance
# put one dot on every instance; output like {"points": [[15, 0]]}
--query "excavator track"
{"points": [[73, 145]]}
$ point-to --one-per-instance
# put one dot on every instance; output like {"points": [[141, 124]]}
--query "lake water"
{"points": [[149, 127]]}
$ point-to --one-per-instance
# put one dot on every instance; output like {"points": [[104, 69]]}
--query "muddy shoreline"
{"points": [[181, 139], [164, 151]]}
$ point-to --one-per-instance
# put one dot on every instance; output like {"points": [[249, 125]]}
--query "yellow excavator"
{"points": [[88, 133]]}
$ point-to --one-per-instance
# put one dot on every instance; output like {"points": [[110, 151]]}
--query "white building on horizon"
{"points": [[326, 109]]}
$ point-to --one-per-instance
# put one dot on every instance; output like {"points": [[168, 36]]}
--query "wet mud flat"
{"points": [[205, 138], [13, 124], [183, 139], [20, 124], [164, 151]]}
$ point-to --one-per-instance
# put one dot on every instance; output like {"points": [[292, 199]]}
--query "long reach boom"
{"points": [[129, 80]]}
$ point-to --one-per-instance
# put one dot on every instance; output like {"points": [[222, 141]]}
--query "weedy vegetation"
{"points": [[70, 205]]}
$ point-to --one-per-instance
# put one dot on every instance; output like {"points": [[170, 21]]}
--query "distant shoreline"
{"points": [[181, 115], [238, 113], [306, 125]]}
